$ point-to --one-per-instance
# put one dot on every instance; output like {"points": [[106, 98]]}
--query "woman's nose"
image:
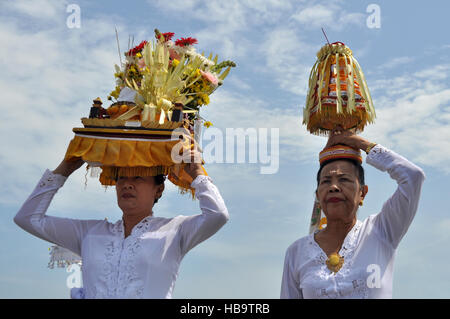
{"points": [[128, 186], [126, 183], [334, 188]]}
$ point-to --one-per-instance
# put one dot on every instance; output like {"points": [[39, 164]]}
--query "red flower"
{"points": [[137, 49], [185, 41], [167, 36]]}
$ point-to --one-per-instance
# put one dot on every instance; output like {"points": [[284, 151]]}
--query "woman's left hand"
{"points": [[347, 137], [193, 166]]}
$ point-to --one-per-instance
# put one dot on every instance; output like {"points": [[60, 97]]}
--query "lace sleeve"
{"points": [[31, 217], [399, 210], [198, 228]]}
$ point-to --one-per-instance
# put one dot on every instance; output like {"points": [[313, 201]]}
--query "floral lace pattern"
{"points": [[49, 179], [119, 268], [376, 150], [201, 179], [344, 287]]}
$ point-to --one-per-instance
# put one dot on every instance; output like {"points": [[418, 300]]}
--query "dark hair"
{"points": [[159, 180], [358, 166]]}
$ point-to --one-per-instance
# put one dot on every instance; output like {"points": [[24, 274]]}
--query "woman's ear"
{"points": [[364, 191], [160, 190]]}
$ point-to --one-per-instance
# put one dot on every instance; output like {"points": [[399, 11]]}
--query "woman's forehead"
{"points": [[338, 168]]}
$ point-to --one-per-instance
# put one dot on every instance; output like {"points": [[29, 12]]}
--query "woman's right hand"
{"points": [[66, 168], [346, 137]]}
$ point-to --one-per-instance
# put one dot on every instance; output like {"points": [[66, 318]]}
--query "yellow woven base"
{"points": [[325, 120]]}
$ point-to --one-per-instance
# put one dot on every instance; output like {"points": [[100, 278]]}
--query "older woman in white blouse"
{"points": [[352, 258], [139, 255]]}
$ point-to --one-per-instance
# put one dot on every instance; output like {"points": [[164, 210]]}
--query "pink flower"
{"points": [[211, 78], [141, 63]]}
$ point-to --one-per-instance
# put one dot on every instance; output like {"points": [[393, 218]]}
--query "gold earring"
{"points": [[361, 202]]}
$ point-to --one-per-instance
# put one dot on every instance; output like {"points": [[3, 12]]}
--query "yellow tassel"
{"points": [[310, 97], [338, 86], [111, 173], [367, 100], [350, 89], [371, 109], [319, 89], [327, 66]]}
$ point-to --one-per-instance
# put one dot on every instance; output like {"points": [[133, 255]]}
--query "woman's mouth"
{"points": [[334, 200], [127, 195]]}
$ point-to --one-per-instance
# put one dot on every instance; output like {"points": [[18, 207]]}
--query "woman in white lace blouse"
{"points": [[352, 258], [139, 255]]}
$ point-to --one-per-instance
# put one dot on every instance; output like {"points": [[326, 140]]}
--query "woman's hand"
{"points": [[193, 160], [347, 137], [66, 168], [194, 168]]}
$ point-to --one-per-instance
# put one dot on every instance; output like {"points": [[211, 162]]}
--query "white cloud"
{"points": [[413, 116], [437, 73], [228, 22], [316, 16], [288, 60], [328, 15], [289, 57], [43, 10], [395, 62]]}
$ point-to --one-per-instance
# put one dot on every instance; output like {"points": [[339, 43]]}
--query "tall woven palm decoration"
{"points": [[338, 93]]}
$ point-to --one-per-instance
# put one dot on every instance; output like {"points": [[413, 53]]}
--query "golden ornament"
{"points": [[335, 262]]}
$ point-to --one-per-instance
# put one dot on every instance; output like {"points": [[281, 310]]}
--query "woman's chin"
{"points": [[126, 205], [337, 214]]}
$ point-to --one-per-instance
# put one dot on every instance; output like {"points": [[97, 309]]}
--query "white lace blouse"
{"points": [[368, 249], [144, 264]]}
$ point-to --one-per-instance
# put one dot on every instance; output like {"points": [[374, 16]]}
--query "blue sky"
{"points": [[51, 73]]}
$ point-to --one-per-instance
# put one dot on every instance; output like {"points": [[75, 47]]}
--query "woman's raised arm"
{"points": [[31, 217]]}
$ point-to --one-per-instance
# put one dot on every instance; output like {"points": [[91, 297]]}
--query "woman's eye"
{"points": [[325, 181]]}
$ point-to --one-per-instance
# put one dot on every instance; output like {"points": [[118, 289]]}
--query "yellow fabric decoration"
{"points": [[122, 157]]}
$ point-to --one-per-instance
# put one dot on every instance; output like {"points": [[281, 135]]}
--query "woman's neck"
{"points": [[338, 228], [332, 237], [131, 220]]}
